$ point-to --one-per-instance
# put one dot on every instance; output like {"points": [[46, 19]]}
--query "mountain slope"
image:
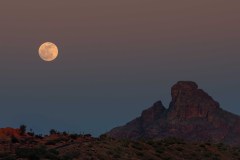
{"points": [[192, 115]]}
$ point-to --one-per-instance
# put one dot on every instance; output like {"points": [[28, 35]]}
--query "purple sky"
{"points": [[116, 58]]}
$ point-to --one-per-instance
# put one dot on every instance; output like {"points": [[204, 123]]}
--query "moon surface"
{"points": [[48, 51]]}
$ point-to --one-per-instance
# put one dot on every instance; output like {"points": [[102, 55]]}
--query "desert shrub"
{"points": [[159, 143], [53, 142], [22, 129], [236, 154], [90, 146], [3, 155], [54, 151], [65, 133], [172, 140], [116, 152], [137, 145], [14, 139], [180, 149], [103, 137], [36, 153], [52, 154], [53, 131], [140, 154], [31, 153], [71, 155], [208, 143], [167, 158], [193, 154], [221, 147], [9, 157], [29, 141], [151, 143], [74, 136], [31, 134], [110, 152], [6, 156], [202, 146], [158, 155], [87, 135], [125, 143], [211, 155], [208, 154], [39, 136], [160, 150], [117, 156]]}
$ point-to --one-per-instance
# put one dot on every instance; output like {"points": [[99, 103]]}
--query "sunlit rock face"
{"points": [[190, 102], [192, 115], [6, 134]]}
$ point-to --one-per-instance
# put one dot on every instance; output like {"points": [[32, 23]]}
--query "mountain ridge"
{"points": [[192, 115]]}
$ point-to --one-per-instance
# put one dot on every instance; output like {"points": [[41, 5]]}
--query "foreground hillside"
{"points": [[63, 146]]}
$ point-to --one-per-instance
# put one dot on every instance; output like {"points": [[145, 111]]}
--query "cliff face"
{"points": [[192, 115], [190, 102]]}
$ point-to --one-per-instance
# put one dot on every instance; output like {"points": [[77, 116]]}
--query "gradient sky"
{"points": [[116, 58]]}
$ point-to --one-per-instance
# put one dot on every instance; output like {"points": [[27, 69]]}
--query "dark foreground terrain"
{"points": [[63, 146], [203, 129]]}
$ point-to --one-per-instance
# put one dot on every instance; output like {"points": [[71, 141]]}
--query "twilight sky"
{"points": [[116, 58]]}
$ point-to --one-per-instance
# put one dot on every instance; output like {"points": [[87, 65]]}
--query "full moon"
{"points": [[48, 51]]}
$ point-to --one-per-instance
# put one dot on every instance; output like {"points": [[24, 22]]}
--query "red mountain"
{"points": [[192, 115]]}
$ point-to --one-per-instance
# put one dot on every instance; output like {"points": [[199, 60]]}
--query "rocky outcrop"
{"points": [[7, 133], [192, 115], [152, 114], [190, 102]]}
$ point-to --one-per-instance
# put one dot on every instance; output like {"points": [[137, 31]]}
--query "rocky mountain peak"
{"points": [[183, 87], [192, 115], [153, 113], [188, 101]]}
